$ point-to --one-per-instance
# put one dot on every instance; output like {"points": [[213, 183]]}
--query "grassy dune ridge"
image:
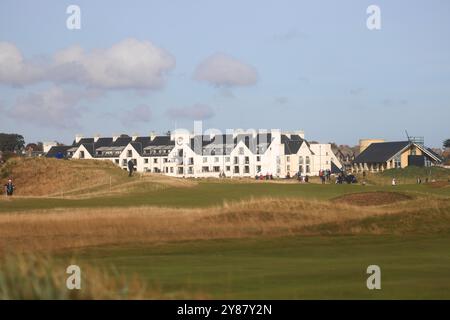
{"points": [[83, 227]]}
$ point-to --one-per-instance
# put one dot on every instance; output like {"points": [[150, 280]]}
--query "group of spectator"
{"points": [[264, 177], [324, 175]]}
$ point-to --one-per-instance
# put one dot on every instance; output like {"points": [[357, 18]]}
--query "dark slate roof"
{"points": [[82, 141], [55, 150], [89, 147], [380, 152], [103, 142], [435, 154], [143, 141], [121, 142], [292, 144], [161, 141], [137, 146], [334, 168]]}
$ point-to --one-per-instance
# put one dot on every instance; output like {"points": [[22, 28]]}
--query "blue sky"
{"points": [[310, 65]]}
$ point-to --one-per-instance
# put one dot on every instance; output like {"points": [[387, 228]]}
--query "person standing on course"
{"points": [[130, 167], [9, 188]]}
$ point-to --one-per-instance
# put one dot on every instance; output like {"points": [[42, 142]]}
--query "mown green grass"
{"points": [[408, 175], [211, 193], [412, 267]]}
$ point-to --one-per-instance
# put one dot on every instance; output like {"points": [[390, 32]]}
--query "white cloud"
{"points": [[14, 69], [53, 107], [194, 112], [129, 64], [225, 71]]}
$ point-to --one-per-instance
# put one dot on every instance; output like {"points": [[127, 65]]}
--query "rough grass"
{"points": [[79, 178], [76, 228], [30, 276]]}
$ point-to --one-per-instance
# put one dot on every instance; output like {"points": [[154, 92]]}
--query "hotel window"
{"points": [[146, 160], [81, 154], [241, 150], [307, 160], [216, 169], [191, 160], [124, 162], [129, 153], [246, 169], [236, 160], [165, 160], [205, 169], [288, 158], [227, 159], [288, 168], [258, 158], [300, 168], [227, 168], [205, 159], [117, 161], [236, 169], [308, 169], [247, 160], [258, 169], [155, 160], [190, 170], [171, 169], [300, 160], [216, 159]]}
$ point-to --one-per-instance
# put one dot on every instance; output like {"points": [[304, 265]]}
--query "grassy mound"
{"points": [[43, 176], [79, 178]]}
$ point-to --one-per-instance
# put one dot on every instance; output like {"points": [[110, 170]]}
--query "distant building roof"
{"points": [[57, 151], [380, 151]]}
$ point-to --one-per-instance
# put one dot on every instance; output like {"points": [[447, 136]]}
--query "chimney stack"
{"points": [[78, 137]]}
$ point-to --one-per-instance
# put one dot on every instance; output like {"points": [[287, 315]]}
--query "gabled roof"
{"points": [[89, 148], [121, 142], [82, 141], [292, 144], [57, 151], [103, 142], [161, 141], [381, 151], [435, 154]]}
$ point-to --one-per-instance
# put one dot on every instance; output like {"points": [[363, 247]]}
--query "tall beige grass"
{"points": [[30, 276], [77, 228]]}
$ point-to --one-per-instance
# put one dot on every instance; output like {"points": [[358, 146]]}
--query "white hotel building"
{"points": [[237, 154]]}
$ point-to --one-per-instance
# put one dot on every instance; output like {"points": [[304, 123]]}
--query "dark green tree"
{"points": [[11, 142], [447, 143]]}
